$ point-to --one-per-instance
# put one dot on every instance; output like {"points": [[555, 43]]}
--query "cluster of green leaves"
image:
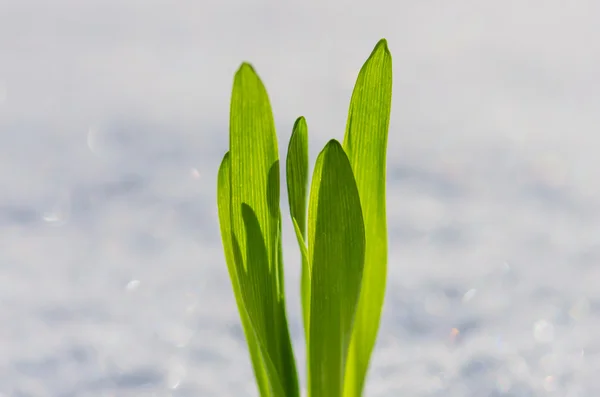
{"points": [[342, 238]]}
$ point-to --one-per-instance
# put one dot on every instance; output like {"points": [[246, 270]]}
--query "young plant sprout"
{"points": [[342, 238]]}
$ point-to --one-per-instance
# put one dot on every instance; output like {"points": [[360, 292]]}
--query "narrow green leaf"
{"points": [[297, 173], [256, 227], [336, 251], [224, 208], [297, 186], [365, 142]]}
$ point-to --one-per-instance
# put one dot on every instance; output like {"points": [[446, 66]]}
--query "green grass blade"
{"points": [[297, 173], [297, 186], [256, 227], [336, 251], [296, 166], [365, 142], [224, 209]]}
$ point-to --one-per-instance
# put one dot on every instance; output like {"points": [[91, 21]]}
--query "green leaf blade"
{"points": [[297, 173], [336, 251], [256, 228], [224, 210], [297, 186], [254, 155], [365, 143]]}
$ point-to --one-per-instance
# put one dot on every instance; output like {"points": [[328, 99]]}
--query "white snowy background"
{"points": [[114, 118]]}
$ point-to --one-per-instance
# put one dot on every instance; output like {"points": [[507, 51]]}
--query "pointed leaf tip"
{"points": [[300, 122], [334, 144], [246, 68], [381, 45]]}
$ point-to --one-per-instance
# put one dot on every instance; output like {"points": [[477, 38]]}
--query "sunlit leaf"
{"points": [[224, 207], [336, 246], [254, 248], [365, 142], [297, 186]]}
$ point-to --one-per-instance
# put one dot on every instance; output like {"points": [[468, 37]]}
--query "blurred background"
{"points": [[113, 121]]}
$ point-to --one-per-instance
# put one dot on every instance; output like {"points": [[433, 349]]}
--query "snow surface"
{"points": [[113, 120]]}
